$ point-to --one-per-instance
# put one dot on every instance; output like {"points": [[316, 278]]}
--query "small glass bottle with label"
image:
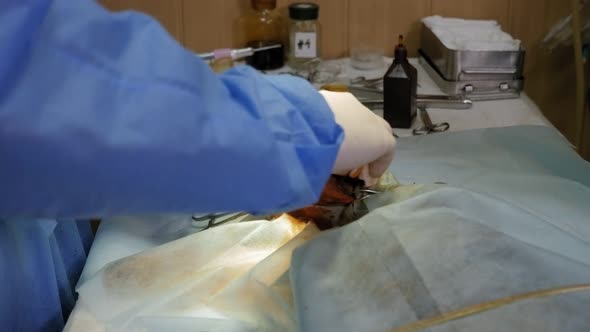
{"points": [[304, 34]]}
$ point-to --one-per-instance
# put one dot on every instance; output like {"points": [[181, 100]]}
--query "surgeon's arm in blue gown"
{"points": [[105, 114]]}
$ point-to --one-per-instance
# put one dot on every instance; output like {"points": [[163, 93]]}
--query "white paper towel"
{"points": [[471, 35]]}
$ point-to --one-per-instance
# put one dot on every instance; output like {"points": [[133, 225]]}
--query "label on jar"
{"points": [[306, 45]]}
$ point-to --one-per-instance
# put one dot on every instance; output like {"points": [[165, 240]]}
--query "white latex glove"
{"points": [[368, 147]]}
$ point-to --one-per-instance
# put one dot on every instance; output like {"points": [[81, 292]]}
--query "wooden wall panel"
{"points": [[378, 23], [585, 149], [404, 17], [210, 24], [526, 23], [367, 23], [559, 101], [167, 12], [550, 75], [525, 16]]}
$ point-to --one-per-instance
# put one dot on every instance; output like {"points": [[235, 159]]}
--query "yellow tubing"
{"points": [[486, 306]]}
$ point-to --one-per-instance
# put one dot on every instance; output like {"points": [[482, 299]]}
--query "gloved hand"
{"points": [[368, 147]]}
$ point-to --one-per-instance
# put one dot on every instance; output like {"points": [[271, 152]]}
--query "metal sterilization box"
{"points": [[477, 74]]}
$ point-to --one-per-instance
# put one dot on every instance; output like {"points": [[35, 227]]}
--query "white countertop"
{"points": [[484, 114]]}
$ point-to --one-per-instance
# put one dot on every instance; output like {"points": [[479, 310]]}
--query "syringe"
{"points": [[236, 53]]}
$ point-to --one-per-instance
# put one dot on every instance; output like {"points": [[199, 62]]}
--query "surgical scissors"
{"points": [[429, 127], [367, 83]]}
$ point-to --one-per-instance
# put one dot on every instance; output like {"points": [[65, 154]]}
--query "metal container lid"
{"points": [[304, 11]]}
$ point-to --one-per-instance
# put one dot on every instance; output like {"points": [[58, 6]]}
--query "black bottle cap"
{"points": [[401, 52], [304, 11]]}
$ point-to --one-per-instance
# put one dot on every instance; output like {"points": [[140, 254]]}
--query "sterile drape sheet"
{"points": [[494, 213], [481, 215]]}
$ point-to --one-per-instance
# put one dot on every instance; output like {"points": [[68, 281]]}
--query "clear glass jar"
{"points": [[304, 34]]}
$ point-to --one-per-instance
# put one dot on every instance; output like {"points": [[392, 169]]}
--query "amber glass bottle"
{"points": [[399, 90], [262, 26]]}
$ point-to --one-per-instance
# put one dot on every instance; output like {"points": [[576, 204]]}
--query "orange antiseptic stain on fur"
{"points": [[339, 191]]}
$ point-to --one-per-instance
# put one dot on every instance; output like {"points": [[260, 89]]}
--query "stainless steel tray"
{"points": [[456, 65], [474, 89]]}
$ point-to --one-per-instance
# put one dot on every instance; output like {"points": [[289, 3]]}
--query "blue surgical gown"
{"points": [[105, 114]]}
